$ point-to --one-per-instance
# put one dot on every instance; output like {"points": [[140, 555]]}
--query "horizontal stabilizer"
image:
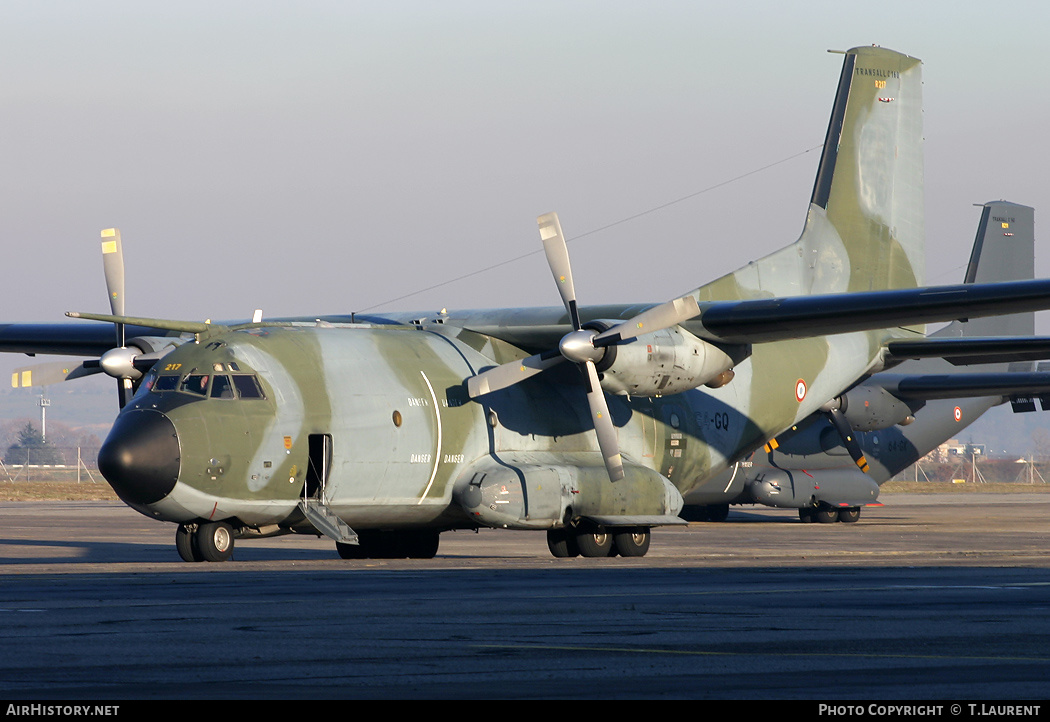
{"points": [[966, 351], [776, 319]]}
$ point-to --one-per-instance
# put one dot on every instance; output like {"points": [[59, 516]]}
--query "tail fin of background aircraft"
{"points": [[1004, 250], [865, 228]]}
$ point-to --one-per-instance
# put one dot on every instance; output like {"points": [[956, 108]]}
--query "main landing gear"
{"points": [[829, 515], [205, 542], [590, 541]]}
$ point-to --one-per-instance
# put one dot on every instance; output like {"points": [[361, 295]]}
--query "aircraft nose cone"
{"points": [[140, 458]]}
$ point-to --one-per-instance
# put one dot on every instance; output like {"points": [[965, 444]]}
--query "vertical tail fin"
{"points": [[1004, 250], [864, 229], [867, 202]]}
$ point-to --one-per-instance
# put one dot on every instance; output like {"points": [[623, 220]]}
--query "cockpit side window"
{"points": [[247, 386]]}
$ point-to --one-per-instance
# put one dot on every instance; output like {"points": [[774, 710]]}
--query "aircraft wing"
{"points": [[957, 386], [731, 322], [774, 319], [769, 319], [65, 339], [971, 350], [87, 338]]}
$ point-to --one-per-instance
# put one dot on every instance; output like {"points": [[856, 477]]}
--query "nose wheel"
{"points": [[208, 542]]}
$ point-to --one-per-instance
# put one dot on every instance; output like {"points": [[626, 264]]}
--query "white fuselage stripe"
{"points": [[437, 452]]}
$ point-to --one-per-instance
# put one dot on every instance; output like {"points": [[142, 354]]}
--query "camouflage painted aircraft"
{"points": [[384, 431], [831, 464]]}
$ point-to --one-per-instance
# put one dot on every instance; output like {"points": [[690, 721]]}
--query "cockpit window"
{"points": [[247, 386], [166, 383], [221, 388], [196, 384]]}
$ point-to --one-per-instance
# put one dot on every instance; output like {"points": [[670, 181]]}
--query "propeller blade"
{"points": [[581, 346], [841, 424], [125, 391], [558, 259], [113, 267], [656, 318], [48, 374], [511, 373], [603, 425]]}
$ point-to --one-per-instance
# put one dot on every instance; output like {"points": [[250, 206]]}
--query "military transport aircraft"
{"points": [[831, 464], [587, 422]]}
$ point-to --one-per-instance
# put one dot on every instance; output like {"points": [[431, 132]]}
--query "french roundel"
{"points": [[958, 414], [800, 390]]}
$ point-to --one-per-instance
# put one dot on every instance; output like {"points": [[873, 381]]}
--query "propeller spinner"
{"points": [[581, 346]]}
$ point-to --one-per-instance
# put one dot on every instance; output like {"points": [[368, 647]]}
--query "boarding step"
{"points": [[326, 521]]}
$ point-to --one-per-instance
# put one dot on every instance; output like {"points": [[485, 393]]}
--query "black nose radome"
{"points": [[140, 458]]}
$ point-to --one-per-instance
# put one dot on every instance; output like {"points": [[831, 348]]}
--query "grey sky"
{"points": [[324, 157]]}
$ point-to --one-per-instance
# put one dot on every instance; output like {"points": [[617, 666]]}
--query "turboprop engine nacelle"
{"points": [[870, 407], [663, 362]]}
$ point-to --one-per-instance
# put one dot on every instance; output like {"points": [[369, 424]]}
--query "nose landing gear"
{"points": [[206, 542]]}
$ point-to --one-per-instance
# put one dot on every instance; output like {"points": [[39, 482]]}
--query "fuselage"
{"points": [[243, 424]]}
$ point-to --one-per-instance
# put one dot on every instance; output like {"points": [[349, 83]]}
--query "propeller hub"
{"points": [[120, 363], [578, 346]]}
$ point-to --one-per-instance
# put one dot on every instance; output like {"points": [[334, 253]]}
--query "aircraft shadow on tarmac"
{"points": [[99, 552]]}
